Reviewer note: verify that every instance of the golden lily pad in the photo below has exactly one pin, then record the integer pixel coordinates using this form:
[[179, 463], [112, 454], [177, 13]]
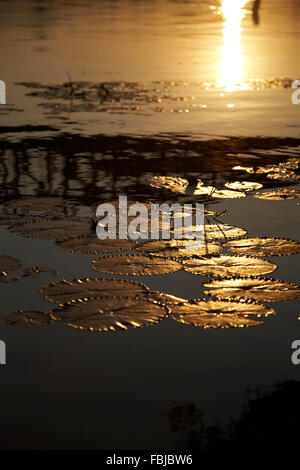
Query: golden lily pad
[[173, 184], [289, 176], [35, 271], [219, 314], [7, 264], [178, 248], [94, 315], [65, 291], [6, 278], [218, 231], [165, 299], [36, 203], [195, 188], [224, 266], [212, 231], [280, 195], [213, 192], [263, 246], [8, 219], [55, 229], [244, 185], [27, 318], [257, 288], [93, 245], [135, 265], [247, 169]]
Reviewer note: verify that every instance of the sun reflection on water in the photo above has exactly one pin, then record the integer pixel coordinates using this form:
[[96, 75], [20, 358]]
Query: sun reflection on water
[[231, 66]]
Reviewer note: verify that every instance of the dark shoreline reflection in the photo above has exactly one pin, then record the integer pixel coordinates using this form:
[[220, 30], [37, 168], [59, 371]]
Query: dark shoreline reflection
[[269, 420], [103, 167]]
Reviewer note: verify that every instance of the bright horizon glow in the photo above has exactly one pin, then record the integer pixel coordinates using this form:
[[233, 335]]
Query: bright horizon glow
[[231, 66]]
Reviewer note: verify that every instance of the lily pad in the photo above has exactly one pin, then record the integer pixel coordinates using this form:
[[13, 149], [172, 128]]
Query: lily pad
[[135, 265], [219, 314], [94, 315], [257, 288], [218, 231], [173, 184], [7, 264], [279, 195], [243, 185], [263, 246], [65, 291], [27, 318], [224, 266], [165, 299], [177, 248], [56, 229], [35, 271], [289, 176], [36, 204], [93, 245]]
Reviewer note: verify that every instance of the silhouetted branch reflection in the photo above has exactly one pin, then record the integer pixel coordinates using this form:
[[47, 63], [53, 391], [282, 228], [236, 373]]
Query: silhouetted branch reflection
[[269, 420]]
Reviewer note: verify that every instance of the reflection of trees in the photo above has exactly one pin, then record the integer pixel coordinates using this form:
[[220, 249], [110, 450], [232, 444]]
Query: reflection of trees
[[269, 420], [93, 168]]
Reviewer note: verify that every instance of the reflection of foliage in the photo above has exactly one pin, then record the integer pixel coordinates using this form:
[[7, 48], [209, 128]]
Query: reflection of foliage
[[270, 420]]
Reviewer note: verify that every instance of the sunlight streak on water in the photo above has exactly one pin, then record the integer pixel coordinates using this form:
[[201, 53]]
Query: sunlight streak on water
[[231, 66]]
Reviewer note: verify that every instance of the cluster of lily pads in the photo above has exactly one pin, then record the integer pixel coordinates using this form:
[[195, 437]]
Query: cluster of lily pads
[[235, 264]]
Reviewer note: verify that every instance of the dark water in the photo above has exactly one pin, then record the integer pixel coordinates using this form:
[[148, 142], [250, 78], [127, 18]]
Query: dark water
[[143, 99]]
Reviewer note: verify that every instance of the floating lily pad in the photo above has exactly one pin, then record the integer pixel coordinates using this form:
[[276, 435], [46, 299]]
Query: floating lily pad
[[6, 278], [173, 184], [212, 231], [289, 176], [8, 219], [35, 271], [257, 288], [36, 203], [133, 265], [219, 314], [263, 246], [56, 229], [194, 188], [165, 299], [65, 291], [224, 266], [178, 248], [27, 318], [94, 315], [244, 185], [218, 231], [93, 245], [7, 264], [278, 195], [213, 192]]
